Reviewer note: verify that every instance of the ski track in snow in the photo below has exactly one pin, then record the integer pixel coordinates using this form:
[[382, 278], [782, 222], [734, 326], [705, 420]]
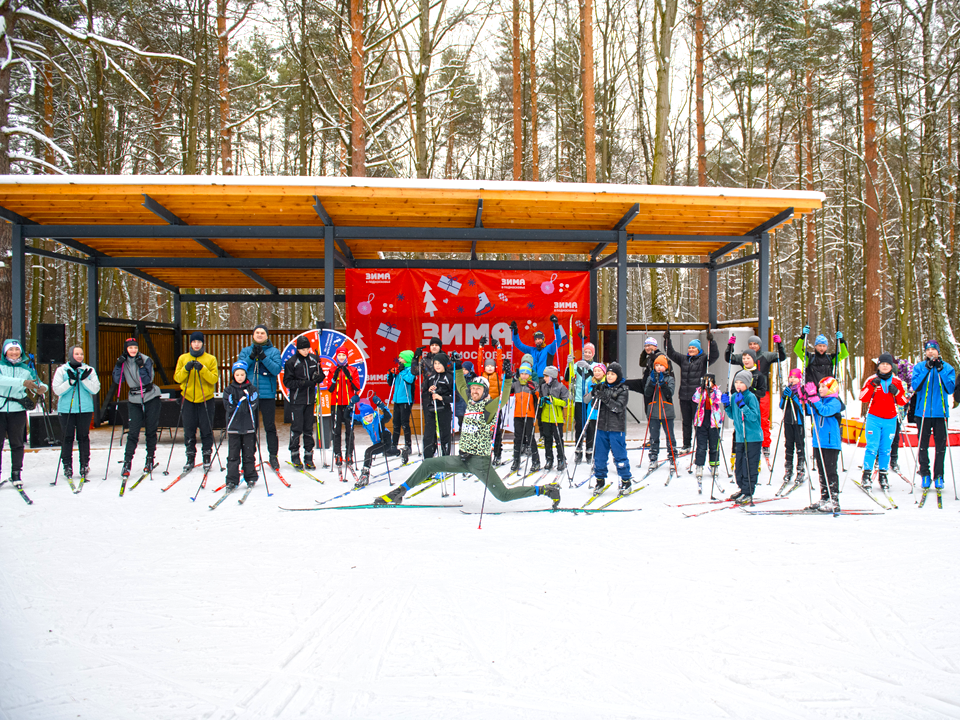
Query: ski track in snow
[[152, 606]]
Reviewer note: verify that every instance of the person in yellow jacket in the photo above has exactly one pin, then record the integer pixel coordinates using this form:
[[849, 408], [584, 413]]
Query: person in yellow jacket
[[197, 374], [553, 400]]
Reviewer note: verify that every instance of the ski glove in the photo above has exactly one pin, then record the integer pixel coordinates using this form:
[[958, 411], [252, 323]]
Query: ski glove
[[839, 335], [417, 354], [193, 365], [120, 361], [72, 376], [139, 360], [554, 319], [725, 399], [787, 391], [513, 326], [777, 339], [732, 340], [875, 382], [811, 389], [709, 336], [483, 341], [806, 330]]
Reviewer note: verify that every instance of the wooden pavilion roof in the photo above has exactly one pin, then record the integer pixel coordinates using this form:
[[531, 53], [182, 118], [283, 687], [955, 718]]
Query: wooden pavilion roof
[[661, 221]]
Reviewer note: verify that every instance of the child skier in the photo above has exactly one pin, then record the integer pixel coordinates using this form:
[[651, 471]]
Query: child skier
[[402, 380], [553, 399], [586, 436], [474, 455], [240, 401], [343, 388], [763, 361], [884, 392], [827, 408], [578, 376], [437, 412], [758, 387], [301, 374], [744, 408], [693, 366], [525, 406], [933, 382], [793, 426], [819, 364], [708, 420], [658, 396], [76, 384], [373, 415], [611, 429]]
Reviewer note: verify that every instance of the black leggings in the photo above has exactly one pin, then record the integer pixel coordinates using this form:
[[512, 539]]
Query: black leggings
[[75, 424], [13, 425]]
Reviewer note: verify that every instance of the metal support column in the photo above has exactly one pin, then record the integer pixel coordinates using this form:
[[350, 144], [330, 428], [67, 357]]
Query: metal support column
[[18, 284], [594, 337], [622, 277], [763, 299], [178, 321], [713, 296], [93, 326], [329, 310]]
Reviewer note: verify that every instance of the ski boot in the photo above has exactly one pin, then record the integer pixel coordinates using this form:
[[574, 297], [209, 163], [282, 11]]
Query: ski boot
[[394, 497], [601, 484], [589, 456], [274, 463], [552, 491], [828, 506], [685, 449], [766, 453], [231, 486], [925, 483], [938, 483], [577, 457], [744, 500], [125, 471], [338, 461], [884, 481], [561, 463], [535, 464], [363, 480], [653, 465], [295, 461], [405, 456], [866, 479], [308, 461], [189, 463], [149, 465], [68, 470], [699, 479], [15, 479], [894, 467], [207, 462], [515, 467], [625, 486], [548, 464], [736, 496], [84, 473], [787, 472]]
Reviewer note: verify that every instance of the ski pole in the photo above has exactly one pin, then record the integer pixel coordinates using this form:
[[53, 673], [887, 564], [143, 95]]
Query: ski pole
[[203, 482], [668, 431], [856, 444], [113, 430], [183, 399], [63, 435], [776, 446], [946, 428], [583, 432], [920, 437], [263, 467], [695, 441], [824, 477]]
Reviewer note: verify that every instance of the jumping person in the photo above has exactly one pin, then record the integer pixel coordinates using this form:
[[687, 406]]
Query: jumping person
[[16, 377], [265, 363], [793, 426], [402, 379], [763, 361], [302, 374], [541, 353], [884, 392], [240, 401], [708, 419], [744, 408], [612, 396], [197, 374], [143, 402], [553, 399], [343, 388], [820, 364], [933, 382], [76, 385], [373, 416], [693, 367], [658, 397], [475, 449], [827, 408]]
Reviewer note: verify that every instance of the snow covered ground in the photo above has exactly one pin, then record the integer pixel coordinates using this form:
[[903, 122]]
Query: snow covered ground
[[151, 606]]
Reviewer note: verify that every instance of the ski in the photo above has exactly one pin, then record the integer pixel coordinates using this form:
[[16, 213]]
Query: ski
[[793, 487], [651, 469], [524, 478], [246, 494], [575, 511], [730, 504], [140, 479], [304, 471], [891, 501], [811, 511], [923, 497], [344, 494], [19, 489], [783, 487], [123, 485], [620, 496], [180, 477], [223, 497], [939, 498], [870, 495], [595, 496], [370, 506]]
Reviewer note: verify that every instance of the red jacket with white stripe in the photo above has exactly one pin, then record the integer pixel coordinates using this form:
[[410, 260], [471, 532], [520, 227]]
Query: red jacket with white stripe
[[884, 402]]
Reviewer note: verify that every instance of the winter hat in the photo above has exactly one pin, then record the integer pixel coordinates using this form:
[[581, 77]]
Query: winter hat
[[238, 365], [831, 385], [524, 368], [441, 357], [406, 357], [885, 358], [751, 353], [490, 363], [435, 341], [697, 345], [931, 343], [467, 366], [615, 368], [303, 342], [129, 342], [754, 339], [551, 371], [527, 359], [480, 380], [744, 376], [661, 361], [196, 335], [797, 373], [70, 359], [537, 334], [7, 344], [821, 340], [263, 327], [591, 347], [650, 341]]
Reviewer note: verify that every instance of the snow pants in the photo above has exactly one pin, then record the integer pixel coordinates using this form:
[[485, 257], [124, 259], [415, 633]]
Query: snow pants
[[895, 445], [342, 424], [708, 439], [432, 421], [552, 435], [765, 419], [688, 411], [146, 416], [478, 466], [747, 469], [938, 426], [523, 439], [793, 441], [302, 424], [827, 468], [880, 432], [242, 447], [13, 425], [198, 415], [580, 411], [616, 443], [655, 438], [401, 421], [75, 424]]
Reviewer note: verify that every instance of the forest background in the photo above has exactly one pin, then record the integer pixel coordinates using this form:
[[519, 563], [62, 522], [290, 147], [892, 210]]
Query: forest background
[[858, 101]]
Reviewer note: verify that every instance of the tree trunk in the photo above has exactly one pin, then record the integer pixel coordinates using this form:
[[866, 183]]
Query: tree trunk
[[589, 105], [701, 147], [517, 97], [811, 318], [223, 86], [191, 162], [534, 146], [873, 290], [665, 12], [358, 140], [420, 78]]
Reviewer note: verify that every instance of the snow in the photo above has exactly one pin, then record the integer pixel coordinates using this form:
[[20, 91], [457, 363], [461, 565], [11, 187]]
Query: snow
[[152, 606], [413, 183]]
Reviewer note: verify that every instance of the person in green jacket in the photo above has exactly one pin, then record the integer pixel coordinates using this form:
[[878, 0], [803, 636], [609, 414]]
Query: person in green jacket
[[820, 364], [474, 457], [16, 378], [197, 374], [744, 408]]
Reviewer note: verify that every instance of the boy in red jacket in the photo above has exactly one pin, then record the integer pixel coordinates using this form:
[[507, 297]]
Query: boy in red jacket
[[884, 391]]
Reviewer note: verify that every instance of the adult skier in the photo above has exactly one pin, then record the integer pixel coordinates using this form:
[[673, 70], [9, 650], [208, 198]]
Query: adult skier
[[143, 402], [819, 363], [76, 386], [197, 373], [16, 377], [265, 363], [933, 382], [541, 353], [693, 367], [884, 392]]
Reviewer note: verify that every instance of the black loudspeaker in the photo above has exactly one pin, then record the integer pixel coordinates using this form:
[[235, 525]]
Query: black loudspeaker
[[51, 343]]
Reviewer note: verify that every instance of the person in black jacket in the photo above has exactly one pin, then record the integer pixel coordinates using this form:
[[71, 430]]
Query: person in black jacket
[[658, 397], [437, 387], [301, 374], [764, 361], [693, 368], [611, 429], [240, 401], [649, 354]]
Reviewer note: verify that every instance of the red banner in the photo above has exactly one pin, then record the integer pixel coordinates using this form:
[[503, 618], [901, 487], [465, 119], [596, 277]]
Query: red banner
[[393, 310]]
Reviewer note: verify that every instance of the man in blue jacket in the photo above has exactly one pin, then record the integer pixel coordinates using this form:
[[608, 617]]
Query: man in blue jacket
[[541, 353], [933, 382], [264, 362]]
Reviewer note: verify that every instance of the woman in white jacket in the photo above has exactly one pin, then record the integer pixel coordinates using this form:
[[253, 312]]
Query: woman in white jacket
[[75, 384]]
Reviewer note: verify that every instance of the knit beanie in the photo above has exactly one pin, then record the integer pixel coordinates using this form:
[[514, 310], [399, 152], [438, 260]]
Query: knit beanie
[[615, 368], [744, 376], [751, 353], [435, 341], [524, 368], [238, 365], [754, 339], [831, 385], [406, 357], [442, 358], [130, 342], [490, 363], [599, 365], [821, 340], [551, 371], [263, 327], [196, 335], [303, 342], [885, 358], [591, 347], [650, 341], [467, 366], [931, 343], [797, 373], [697, 345], [661, 361]]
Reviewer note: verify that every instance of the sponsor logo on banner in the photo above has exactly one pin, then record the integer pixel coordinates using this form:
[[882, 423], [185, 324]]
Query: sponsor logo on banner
[[378, 278], [565, 306], [512, 282]]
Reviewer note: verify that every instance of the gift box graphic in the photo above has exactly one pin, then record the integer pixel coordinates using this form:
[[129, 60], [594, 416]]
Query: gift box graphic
[[389, 332], [450, 284]]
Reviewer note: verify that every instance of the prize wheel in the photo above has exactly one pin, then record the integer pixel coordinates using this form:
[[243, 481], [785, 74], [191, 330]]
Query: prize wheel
[[326, 344]]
